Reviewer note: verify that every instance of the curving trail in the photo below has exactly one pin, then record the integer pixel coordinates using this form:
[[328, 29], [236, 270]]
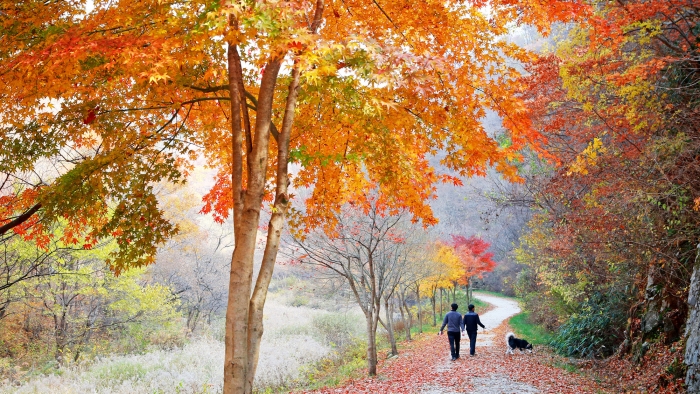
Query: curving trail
[[487, 341], [504, 309], [424, 365]]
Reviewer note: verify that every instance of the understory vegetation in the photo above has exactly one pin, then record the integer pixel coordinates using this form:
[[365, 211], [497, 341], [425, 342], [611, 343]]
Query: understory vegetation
[[523, 327], [311, 340], [608, 255]]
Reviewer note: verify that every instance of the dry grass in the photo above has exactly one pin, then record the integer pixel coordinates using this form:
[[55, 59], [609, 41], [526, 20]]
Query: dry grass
[[291, 341]]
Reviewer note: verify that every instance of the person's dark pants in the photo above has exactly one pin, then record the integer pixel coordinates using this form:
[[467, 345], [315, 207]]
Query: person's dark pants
[[472, 341], [454, 338]]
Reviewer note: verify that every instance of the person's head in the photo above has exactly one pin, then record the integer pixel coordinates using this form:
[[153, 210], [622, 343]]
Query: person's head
[[454, 307], [471, 308]]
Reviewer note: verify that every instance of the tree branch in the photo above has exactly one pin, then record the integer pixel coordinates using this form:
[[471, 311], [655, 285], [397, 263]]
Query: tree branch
[[19, 219], [209, 89]]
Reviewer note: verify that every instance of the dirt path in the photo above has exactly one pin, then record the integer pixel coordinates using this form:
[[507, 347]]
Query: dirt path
[[503, 309], [495, 382], [424, 367], [487, 341]]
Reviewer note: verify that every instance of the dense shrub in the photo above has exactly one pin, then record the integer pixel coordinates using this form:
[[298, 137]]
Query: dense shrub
[[595, 330], [546, 306]]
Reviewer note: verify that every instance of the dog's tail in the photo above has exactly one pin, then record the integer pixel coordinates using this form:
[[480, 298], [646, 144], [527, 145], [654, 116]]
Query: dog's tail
[[509, 335]]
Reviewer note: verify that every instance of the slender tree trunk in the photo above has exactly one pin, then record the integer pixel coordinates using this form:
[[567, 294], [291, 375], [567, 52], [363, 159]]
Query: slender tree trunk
[[441, 302], [241, 272], [403, 316], [274, 230], [371, 313], [390, 327], [420, 311], [410, 319], [432, 302], [371, 345], [60, 337], [466, 293], [471, 291]]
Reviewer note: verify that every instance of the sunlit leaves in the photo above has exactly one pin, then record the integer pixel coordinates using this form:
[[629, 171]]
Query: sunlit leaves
[[121, 96]]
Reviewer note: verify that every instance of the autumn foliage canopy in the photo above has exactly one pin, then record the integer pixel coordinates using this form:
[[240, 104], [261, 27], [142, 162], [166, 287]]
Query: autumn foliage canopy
[[102, 103], [474, 256]]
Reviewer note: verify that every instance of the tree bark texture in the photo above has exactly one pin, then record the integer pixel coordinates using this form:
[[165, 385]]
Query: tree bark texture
[[692, 331], [372, 345], [390, 326], [403, 315], [409, 321], [244, 312], [420, 311], [471, 291], [238, 376]]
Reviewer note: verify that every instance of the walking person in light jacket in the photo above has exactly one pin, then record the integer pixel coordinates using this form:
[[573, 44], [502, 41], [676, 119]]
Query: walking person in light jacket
[[455, 326], [471, 320]]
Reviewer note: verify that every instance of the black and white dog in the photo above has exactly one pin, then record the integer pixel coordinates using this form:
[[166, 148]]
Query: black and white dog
[[514, 343]]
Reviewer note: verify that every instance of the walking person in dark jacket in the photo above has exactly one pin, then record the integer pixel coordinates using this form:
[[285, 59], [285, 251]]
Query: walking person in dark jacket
[[471, 320], [455, 326]]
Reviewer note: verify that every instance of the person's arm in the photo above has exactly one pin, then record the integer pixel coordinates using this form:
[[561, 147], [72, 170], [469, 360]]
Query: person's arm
[[444, 323], [478, 321]]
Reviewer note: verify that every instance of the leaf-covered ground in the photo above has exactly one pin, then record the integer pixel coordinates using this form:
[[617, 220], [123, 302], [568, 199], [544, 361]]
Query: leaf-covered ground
[[425, 367], [660, 371]]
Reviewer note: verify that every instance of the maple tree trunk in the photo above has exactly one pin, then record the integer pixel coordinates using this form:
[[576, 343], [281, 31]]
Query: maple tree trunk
[[410, 318], [441, 290], [432, 301], [60, 337], [274, 230], [420, 311], [467, 291], [244, 312], [471, 291], [371, 343], [390, 327], [241, 331], [241, 272], [240, 283], [692, 331], [400, 302], [257, 301]]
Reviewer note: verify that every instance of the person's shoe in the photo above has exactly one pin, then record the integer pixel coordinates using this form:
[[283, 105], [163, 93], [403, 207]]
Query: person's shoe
[[453, 358], [457, 358]]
